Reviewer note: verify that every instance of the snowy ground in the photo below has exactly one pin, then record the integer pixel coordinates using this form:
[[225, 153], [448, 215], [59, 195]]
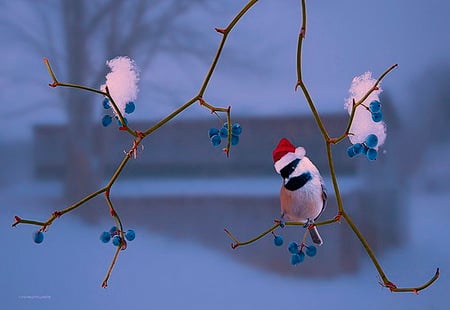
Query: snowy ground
[[65, 272]]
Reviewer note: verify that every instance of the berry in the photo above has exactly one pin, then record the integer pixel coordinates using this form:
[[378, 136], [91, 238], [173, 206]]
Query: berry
[[372, 154], [106, 105], [278, 240], [375, 106], [130, 235], [116, 240], [223, 132], [215, 140], [213, 132], [365, 149], [351, 152], [371, 141], [114, 230], [106, 120], [358, 147], [311, 251], [297, 258], [130, 107], [234, 140], [293, 247], [38, 237], [377, 117], [236, 129], [105, 237]]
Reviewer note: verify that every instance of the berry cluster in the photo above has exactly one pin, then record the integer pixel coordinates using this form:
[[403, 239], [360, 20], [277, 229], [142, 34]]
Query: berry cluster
[[370, 145], [107, 119], [216, 135], [375, 109], [368, 148], [114, 234], [298, 251], [298, 255]]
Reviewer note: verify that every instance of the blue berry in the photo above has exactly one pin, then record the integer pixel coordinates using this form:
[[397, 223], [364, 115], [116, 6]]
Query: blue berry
[[114, 230], [297, 258], [358, 147], [105, 237], [106, 104], [236, 129], [215, 140], [311, 251], [278, 240], [375, 106], [377, 117], [365, 149], [371, 141], [293, 247], [130, 235], [38, 237], [234, 140], [372, 154], [130, 107], [355, 150], [213, 132], [116, 240], [106, 120], [224, 132], [351, 152]]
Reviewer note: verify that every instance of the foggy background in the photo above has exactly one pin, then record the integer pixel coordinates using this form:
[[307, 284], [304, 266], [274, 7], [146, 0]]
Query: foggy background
[[181, 257]]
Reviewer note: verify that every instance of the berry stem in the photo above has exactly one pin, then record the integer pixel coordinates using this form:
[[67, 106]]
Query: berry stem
[[227, 110]]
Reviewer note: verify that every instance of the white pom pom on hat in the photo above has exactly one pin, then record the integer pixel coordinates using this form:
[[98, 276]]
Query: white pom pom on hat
[[285, 152]]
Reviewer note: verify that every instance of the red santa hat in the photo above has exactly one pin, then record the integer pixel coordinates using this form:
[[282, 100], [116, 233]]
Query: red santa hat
[[285, 152]]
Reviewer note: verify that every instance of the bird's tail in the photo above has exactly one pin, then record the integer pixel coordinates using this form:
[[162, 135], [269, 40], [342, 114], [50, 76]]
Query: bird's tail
[[315, 236]]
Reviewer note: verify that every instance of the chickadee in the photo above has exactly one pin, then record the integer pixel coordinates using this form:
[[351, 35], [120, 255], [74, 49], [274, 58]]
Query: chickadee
[[303, 195]]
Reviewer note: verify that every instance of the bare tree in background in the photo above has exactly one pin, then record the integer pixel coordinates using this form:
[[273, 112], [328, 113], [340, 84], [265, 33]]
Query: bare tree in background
[[79, 36]]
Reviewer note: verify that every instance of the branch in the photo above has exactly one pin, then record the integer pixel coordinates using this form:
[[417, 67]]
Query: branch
[[138, 138], [341, 212]]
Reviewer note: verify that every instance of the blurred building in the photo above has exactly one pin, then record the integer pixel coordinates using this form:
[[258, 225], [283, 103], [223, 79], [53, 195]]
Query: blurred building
[[182, 186]]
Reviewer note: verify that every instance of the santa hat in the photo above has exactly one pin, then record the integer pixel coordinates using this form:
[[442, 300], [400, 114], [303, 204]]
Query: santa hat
[[286, 152]]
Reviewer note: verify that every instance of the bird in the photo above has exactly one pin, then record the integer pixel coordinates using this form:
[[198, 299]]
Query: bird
[[303, 194]]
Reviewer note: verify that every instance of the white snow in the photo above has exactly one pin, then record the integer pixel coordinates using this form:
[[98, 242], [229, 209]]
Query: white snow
[[122, 81], [362, 124]]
